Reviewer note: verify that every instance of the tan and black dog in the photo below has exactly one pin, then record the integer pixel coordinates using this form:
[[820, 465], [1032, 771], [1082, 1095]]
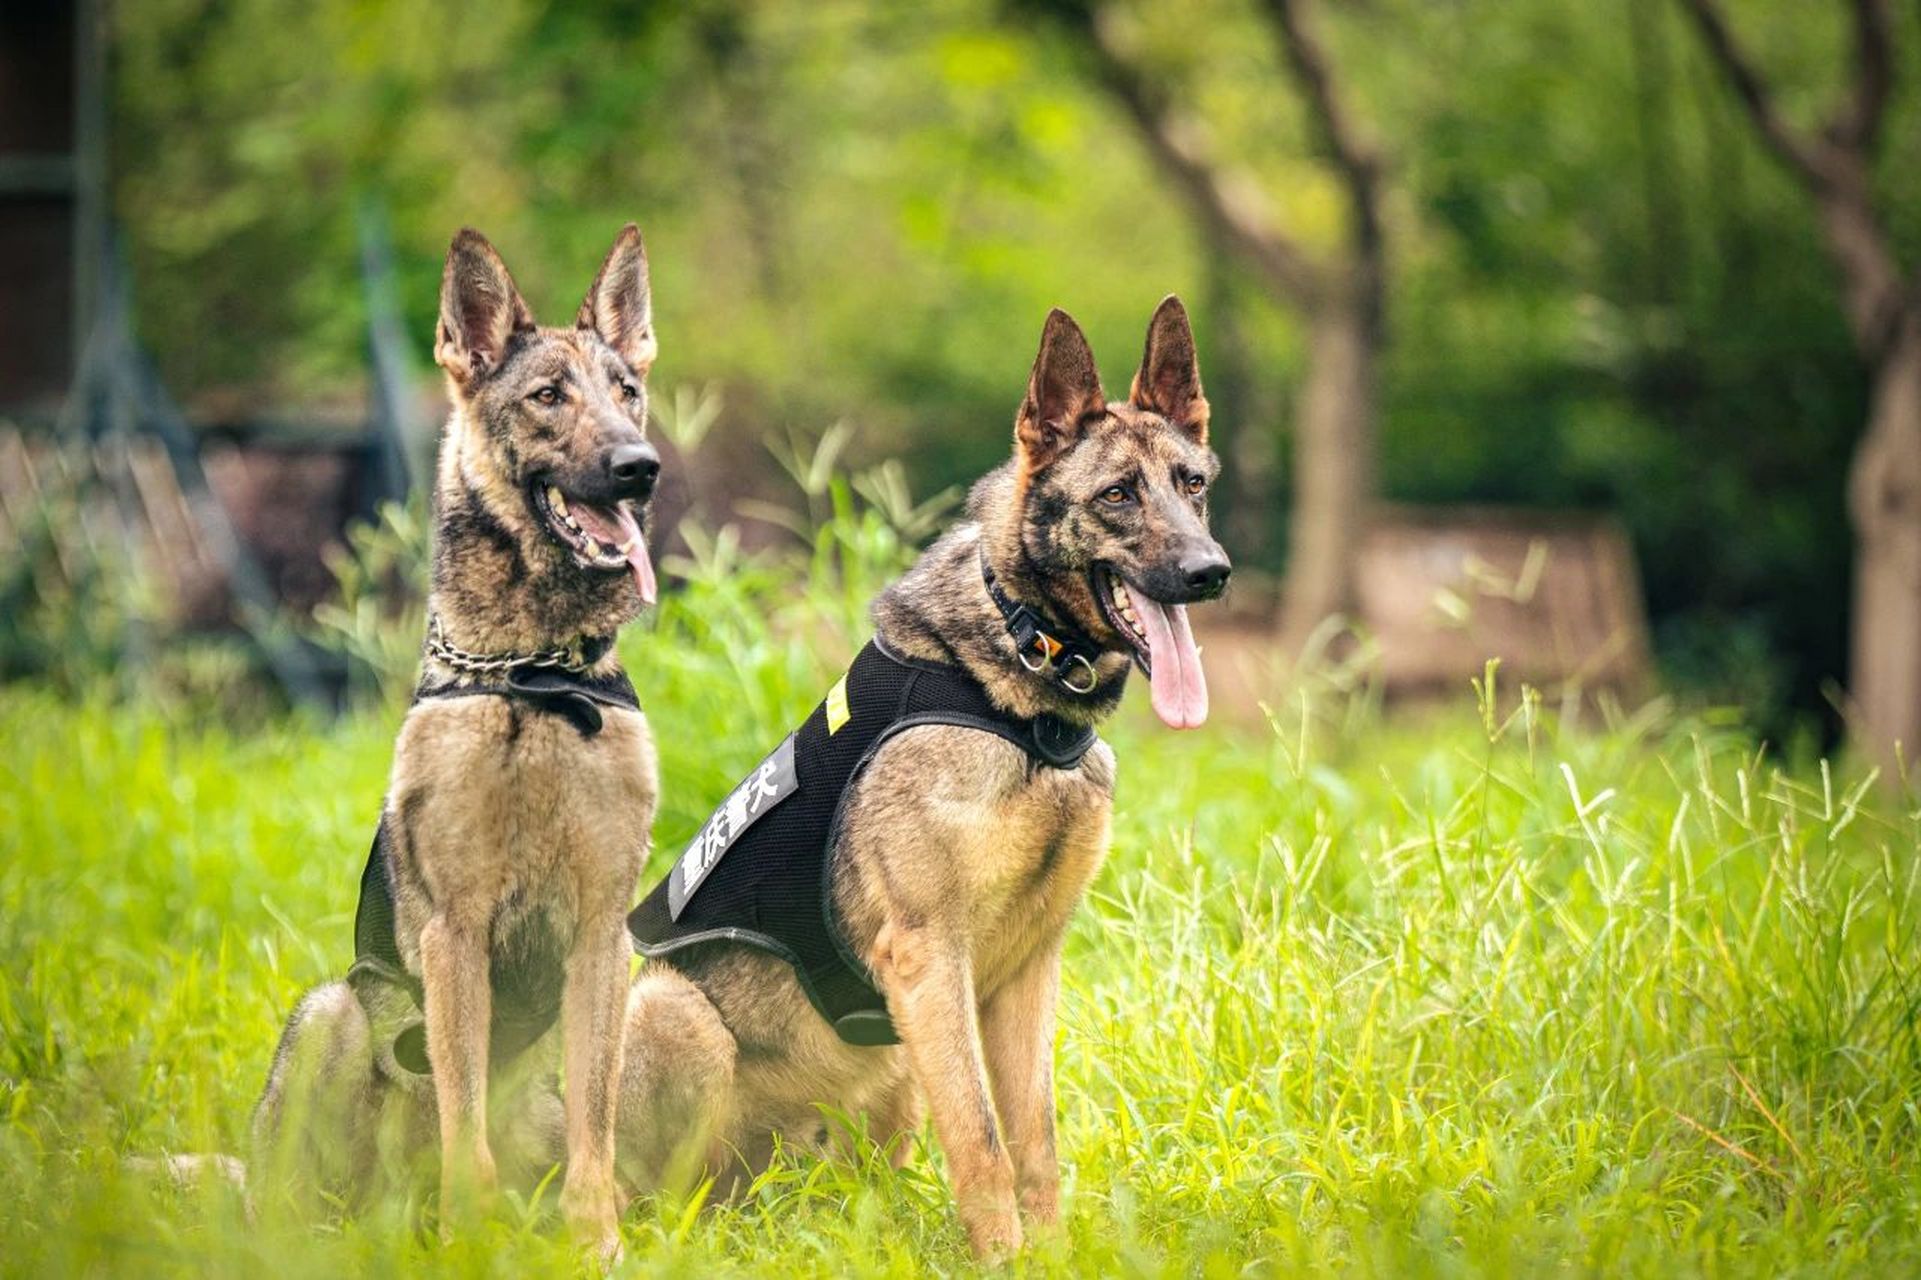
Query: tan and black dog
[[952, 838], [523, 786]]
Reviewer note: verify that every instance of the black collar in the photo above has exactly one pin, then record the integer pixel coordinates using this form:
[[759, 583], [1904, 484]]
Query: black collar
[[575, 697], [1060, 653]]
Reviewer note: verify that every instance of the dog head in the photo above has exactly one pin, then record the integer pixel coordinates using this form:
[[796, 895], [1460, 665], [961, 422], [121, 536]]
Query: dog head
[[547, 449], [1113, 500]]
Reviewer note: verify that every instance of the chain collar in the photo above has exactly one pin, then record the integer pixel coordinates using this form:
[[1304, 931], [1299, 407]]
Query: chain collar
[[1064, 656], [575, 658]]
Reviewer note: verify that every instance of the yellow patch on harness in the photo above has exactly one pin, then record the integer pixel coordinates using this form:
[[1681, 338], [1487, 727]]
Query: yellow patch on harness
[[837, 712]]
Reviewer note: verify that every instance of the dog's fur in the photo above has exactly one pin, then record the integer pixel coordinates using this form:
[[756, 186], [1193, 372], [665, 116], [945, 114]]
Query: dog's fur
[[513, 837], [959, 862]]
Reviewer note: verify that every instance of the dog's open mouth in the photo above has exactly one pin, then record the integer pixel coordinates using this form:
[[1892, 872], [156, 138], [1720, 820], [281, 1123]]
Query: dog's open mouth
[[1163, 646], [605, 539]]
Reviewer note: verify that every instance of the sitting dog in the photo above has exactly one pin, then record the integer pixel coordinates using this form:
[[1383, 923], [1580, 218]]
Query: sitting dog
[[523, 787], [874, 917]]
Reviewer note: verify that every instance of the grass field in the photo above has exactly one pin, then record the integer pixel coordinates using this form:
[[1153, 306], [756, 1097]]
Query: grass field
[[1469, 995]]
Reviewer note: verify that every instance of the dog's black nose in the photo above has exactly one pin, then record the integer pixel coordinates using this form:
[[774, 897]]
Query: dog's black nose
[[633, 469], [1206, 575]]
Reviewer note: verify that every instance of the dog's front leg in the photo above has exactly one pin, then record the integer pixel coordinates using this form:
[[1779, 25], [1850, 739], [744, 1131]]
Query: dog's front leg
[[594, 1012], [459, 1000], [929, 985], [1017, 1028]]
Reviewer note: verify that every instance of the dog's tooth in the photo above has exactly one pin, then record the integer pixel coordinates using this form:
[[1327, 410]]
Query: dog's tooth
[[626, 548], [558, 499]]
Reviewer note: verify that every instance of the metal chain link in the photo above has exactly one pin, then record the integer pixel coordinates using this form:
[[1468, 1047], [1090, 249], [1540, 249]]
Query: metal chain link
[[442, 650]]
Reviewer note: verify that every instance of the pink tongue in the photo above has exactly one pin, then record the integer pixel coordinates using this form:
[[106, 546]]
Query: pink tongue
[[1179, 685], [617, 528]]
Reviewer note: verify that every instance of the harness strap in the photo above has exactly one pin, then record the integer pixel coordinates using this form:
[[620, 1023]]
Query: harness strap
[[376, 954]]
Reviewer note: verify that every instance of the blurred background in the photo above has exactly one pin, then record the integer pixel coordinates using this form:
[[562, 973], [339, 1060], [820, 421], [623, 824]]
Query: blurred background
[[1543, 331]]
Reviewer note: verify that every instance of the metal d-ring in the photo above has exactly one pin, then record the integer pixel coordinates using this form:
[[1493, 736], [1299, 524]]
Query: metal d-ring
[[1036, 667], [1093, 676]]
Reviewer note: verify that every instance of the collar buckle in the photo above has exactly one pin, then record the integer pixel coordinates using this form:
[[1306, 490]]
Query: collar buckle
[[1065, 661], [1033, 646]]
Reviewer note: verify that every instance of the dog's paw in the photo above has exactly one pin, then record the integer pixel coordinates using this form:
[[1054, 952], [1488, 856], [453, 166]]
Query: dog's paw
[[609, 1252], [994, 1234], [592, 1214], [1041, 1206], [468, 1192], [599, 1239]]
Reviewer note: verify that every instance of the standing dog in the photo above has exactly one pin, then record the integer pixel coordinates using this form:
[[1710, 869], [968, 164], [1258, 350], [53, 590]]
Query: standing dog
[[874, 918], [523, 786]]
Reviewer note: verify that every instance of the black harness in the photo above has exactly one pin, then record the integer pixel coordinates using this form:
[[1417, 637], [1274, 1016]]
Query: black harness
[[758, 872], [526, 982]]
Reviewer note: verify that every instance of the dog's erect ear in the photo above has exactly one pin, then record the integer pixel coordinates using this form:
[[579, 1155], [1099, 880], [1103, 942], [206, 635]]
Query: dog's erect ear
[[1063, 392], [1169, 382], [480, 310], [618, 305]]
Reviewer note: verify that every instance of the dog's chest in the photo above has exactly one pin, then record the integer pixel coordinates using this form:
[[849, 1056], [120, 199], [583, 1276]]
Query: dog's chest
[[1039, 849], [511, 815]]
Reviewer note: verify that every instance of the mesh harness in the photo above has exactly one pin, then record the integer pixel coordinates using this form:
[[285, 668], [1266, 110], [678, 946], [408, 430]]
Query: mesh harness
[[758, 874], [526, 983]]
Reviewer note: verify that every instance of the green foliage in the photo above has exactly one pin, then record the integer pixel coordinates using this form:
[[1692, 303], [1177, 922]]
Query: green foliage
[[82, 616], [1604, 294], [375, 622], [68, 614], [1482, 995]]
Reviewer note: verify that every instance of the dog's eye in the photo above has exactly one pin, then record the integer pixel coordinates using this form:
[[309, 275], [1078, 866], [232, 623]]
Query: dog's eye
[[629, 390], [549, 394], [1115, 494], [1196, 485]]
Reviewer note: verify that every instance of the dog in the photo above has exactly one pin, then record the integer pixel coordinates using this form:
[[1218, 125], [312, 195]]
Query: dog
[[523, 787], [873, 920]]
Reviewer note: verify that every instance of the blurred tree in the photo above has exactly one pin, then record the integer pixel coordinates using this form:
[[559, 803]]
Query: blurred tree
[[1340, 294], [1834, 165]]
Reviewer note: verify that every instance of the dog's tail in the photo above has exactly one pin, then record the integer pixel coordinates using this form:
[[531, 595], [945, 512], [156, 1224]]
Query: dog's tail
[[191, 1172]]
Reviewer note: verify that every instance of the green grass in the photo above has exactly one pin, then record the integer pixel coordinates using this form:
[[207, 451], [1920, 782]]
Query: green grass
[[1445, 996]]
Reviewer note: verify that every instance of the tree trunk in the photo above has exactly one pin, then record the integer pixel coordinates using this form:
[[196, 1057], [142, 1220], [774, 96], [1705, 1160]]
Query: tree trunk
[[1884, 498], [1334, 468], [1834, 165]]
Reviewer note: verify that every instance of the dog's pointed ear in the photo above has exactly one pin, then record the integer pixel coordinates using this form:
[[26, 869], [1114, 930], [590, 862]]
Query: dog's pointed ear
[[619, 306], [1169, 381], [1063, 393], [480, 310]]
